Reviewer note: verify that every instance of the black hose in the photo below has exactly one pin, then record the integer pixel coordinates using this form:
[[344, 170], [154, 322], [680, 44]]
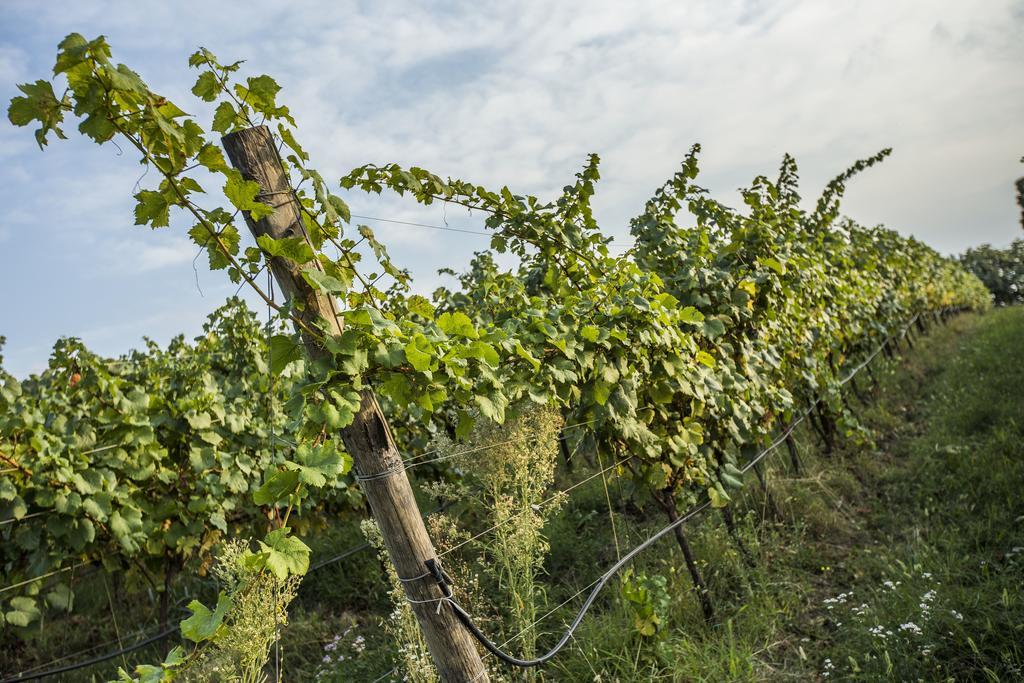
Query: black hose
[[95, 660], [434, 567]]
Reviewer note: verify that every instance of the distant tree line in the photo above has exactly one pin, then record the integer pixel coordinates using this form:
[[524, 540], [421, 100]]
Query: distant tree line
[[1002, 270]]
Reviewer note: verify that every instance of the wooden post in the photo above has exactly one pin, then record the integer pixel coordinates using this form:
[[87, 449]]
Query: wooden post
[[871, 374], [794, 457], [769, 500], [730, 527], [691, 562], [856, 391], [368, 438]]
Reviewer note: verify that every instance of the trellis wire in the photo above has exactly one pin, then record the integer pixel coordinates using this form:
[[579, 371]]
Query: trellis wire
[[95, 660], [448, 228], [40, 578], [70, 655], [415, 461], [542, 503]]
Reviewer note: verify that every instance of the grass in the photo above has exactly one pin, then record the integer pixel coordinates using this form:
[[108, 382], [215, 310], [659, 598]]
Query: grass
[[900, 557]]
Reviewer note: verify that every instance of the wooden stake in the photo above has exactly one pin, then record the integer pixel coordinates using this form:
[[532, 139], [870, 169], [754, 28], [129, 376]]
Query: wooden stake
[[368, 438], [871, 374], [794, 457], [768, 498], [857, 392], [669, 505], [730, 526]]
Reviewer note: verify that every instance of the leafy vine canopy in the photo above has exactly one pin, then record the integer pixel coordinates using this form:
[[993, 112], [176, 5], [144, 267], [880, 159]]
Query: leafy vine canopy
[[680, 355]]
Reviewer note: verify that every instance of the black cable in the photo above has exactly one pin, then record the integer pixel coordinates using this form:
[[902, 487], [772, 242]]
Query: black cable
[[341, 556], [168, 632], [494, 649], [443, 581], [94, 660], [361, 547]]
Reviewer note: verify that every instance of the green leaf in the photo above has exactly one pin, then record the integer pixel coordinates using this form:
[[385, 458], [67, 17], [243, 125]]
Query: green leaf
[[719, 498], [730, 480], [277, 488], [774, 264], [317, 466], [527, 356], [61, 597], [262, 92], [420, 306], [485, 352], [691, 315], [72, 52], [491, 407], [224, 117], [124, 79], [24, 613], [284, 554], [284, 349], [98, 127], [419, 352], [458, 324], [323, 282], [207, 87], [242, 195], [289, 139], [590, 333], [121, 529], [96, 509], [39, 104], [294, 248], [212, 158], [706, 358], [661, 392], [204, 624], [713, 327], [153, 208], [199, 421], [465, 425]]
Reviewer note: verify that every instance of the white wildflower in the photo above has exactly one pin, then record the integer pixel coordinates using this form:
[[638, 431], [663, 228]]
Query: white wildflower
[[911, 627]]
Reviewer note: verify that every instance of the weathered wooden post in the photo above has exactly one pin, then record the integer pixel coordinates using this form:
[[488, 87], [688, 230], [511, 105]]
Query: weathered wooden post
[[734, 534], [691, 562], [368, 438], [769, 500], [794, 456]]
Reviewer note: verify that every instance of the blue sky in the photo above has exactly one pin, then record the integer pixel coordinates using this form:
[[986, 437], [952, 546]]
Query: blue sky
[[513, 93]]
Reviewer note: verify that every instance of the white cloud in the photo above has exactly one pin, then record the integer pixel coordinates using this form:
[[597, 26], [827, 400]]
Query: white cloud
[[519, 93], [137, 257]]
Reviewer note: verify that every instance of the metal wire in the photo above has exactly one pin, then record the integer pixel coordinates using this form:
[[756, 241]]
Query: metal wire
[[40, 578], [95, 660], [447, 228], [542, 503]]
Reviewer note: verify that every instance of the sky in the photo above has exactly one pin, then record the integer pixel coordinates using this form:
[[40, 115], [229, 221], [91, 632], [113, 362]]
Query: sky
[[518, 94]]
